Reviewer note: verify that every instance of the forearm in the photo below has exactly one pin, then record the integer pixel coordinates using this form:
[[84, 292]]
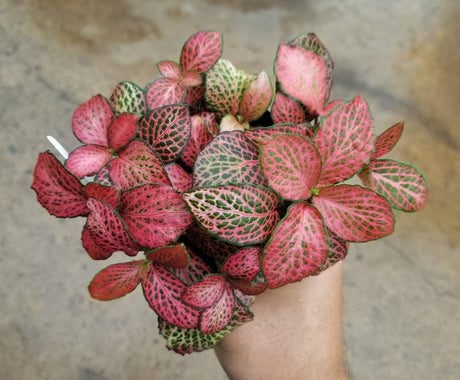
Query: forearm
[[296, 333]]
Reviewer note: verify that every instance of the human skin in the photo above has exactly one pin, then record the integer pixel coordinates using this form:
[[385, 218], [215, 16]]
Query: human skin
[[296, 333]]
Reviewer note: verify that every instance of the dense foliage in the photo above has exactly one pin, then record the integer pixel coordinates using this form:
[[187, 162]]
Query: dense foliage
[[226, 185]]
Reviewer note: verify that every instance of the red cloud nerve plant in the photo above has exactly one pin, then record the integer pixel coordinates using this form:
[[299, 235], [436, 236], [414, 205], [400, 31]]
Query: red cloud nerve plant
[[227, 186]]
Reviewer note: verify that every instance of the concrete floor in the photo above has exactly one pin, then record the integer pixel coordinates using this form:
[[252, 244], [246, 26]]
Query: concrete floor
[[402, 294]]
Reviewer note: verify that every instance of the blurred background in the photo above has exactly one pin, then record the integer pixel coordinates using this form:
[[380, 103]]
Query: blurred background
[[402, 293]]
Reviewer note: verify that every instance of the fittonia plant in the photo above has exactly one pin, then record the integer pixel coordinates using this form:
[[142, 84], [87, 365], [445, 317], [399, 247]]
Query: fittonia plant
[[223, 187]]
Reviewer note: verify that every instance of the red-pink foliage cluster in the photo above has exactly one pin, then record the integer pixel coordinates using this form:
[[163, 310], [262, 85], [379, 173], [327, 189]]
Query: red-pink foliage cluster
[[226, 186]]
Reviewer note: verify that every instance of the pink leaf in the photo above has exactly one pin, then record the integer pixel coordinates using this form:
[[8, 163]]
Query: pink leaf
[[311, 41], [206, 292], [387, 140], [302, 75], [191, 78], [201, 51], [162, 290], [200, 137], [179, 178], [128, 97], [87, 160], [163, 92], [256, 98], [291, 164], [238, 214], [345, 141], [172, 256], [297, 248], [255, 135], [154, 214], [244, 264], [107, 194], [122, 130], [355, 213], [402, 184], [137, 164], [167, 129], [95, 251], [107, 229], [91, 120], [116, 280], [229, 157], [219, 315], [170, 69], [57, 189], [287, 110]]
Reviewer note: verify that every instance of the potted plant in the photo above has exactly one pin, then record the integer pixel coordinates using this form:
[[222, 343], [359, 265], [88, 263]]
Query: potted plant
[[221, 185]]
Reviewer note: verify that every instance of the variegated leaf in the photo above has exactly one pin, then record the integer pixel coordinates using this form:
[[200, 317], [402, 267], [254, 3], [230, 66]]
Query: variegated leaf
[[171, 256], [401, 184], [256, 98], [107, 194], [244, 264], [206, 292], [87, 160], [137, 164], [345, 140], [311, 41], [154, 214], [303, 75], [170, 69], [238, 214], [91, 120], [128, 97], [224, 88], [116, 280], [185, 341], [58, 190], [191, 78], [95, 251], [200, 136], [255, 135], [107, 229], [180, 179], [297, 248], [287, 110], [162, 290], [229, 157], [122, 130], [167, 129], [387, 140], [291, 164], [355, 213], [201, 51], [216, 317], [163, 92]]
